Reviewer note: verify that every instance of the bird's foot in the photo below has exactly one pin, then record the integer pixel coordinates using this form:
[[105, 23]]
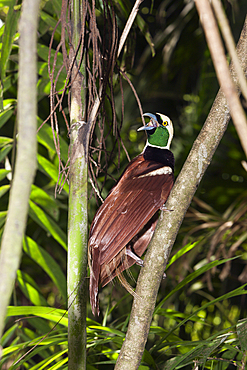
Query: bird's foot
[[131, 254]]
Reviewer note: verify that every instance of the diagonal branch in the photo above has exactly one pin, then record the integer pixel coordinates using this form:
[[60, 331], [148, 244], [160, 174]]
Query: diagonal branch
[[128, 25], [169, 223]]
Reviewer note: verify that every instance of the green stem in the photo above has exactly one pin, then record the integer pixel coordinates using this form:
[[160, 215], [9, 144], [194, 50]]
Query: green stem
[[77, 218], [77, 253]]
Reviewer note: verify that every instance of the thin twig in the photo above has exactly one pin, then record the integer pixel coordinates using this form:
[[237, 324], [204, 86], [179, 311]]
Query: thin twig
[[128, 25]]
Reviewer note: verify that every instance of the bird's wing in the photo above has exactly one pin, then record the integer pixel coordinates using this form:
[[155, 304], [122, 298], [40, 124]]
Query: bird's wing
[[123, 261], [140, 192]]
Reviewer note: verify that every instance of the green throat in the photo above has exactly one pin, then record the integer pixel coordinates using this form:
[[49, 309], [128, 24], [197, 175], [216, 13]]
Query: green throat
[[158, 137]]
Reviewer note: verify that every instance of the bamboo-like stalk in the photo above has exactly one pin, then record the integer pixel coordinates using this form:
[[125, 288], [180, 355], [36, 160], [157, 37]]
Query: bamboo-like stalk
[[165, 234], [25, 166], [77, 217]]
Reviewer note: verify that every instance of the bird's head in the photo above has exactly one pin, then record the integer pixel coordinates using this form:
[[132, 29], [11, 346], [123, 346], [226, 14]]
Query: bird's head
[[159, 130]]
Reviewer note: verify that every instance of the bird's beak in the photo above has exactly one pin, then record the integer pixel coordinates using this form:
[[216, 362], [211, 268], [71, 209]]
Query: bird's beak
[[153, 123]]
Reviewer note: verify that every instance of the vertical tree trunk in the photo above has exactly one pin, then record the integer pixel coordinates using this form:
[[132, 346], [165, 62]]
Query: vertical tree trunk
[[77, 222], [25, 166]]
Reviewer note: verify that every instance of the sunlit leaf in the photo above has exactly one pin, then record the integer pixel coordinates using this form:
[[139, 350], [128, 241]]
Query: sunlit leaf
[[59, 364], [47, 263], [48, 203], [4, 152], [30, 289], [181, 252], [3, 174], [107, 329], [3, 215], [5, 141], [47, 361], [52, 314], [47, 223], [4, 189], [38, 350]]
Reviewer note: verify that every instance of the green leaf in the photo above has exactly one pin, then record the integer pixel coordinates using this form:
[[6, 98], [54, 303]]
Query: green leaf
[[43, 347], [50, 170], [49, 204], [11, 24], [45, 137], [181, 252], [5, 116], [8, 334], [148, 359], [59, 364], [44, 84], [47, 263], [106, 329], [191, 277], [3, 215], [4, 189], [143, 26], [8, 83], [4, 141], [30, 289], [53, 314], [9, 103], [43, 52], [4, 152], [239, 291], [50, 21], [242, 333], [57, 6], [47, 361], [47, 223], [3, 174], [7, 3], [200, 352]]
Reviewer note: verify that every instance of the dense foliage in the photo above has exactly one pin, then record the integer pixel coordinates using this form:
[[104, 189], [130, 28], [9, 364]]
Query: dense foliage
[[201, 308]]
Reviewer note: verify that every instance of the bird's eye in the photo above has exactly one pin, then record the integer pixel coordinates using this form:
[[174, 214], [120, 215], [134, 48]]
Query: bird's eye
[[165, 123]]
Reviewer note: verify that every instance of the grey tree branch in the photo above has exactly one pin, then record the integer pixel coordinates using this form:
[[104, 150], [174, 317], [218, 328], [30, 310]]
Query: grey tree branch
[[25, 167], [128, 25], [220, 64], [165, 234], [230, 44]]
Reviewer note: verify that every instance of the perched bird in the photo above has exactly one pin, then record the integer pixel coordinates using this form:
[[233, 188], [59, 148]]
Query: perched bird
[[124, 224]]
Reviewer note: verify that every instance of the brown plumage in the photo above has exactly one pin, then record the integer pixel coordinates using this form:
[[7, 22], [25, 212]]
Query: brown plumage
[[124, 224]]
